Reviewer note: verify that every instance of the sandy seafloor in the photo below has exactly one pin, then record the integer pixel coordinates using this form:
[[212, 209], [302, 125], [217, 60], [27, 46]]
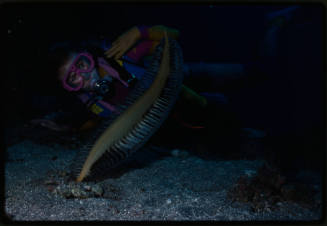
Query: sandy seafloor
[[171, 188]]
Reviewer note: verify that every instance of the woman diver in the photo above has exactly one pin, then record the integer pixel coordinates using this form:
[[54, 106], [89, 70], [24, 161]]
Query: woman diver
[[102, 84]]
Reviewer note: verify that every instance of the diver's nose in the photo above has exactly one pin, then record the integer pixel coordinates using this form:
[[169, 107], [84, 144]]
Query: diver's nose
[[86, 76]]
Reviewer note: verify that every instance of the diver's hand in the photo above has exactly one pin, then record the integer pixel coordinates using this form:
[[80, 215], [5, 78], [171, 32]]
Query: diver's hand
[[49, 124], [123, 43]]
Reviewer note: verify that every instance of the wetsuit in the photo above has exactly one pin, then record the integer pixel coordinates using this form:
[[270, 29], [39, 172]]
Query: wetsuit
[[140, 54]]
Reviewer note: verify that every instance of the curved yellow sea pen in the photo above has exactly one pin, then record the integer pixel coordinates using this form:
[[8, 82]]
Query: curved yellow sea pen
[[125, 122]]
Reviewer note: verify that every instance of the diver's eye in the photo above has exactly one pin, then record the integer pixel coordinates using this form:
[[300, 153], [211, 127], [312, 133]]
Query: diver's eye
[[72, 77], [80, 64]]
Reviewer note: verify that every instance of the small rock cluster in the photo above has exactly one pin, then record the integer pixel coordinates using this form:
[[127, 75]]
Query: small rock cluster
[[268, 189], [79, 191], [59, 182]]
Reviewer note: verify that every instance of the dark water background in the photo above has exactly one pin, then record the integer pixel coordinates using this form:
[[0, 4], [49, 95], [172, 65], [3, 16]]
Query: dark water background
[[289, 104]]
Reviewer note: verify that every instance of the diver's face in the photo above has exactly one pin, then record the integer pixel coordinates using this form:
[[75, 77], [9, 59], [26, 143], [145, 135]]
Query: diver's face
[[75, 79]]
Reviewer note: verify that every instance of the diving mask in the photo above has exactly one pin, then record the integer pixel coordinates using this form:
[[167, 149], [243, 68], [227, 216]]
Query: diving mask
[[83, 74], [79, 71]]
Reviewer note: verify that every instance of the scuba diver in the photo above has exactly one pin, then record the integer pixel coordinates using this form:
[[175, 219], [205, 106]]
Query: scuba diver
[[102, 75]]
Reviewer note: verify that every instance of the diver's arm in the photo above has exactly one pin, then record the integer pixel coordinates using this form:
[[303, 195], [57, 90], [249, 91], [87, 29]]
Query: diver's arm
[[151, 36], [156, 33], [123, 43]]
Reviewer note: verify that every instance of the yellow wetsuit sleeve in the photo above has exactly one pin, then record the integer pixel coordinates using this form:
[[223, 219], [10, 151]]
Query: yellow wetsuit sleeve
[[156, 33]]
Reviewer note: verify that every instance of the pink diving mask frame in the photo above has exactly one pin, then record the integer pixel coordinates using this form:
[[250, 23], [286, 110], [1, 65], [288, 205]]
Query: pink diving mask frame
[[78, 71]]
